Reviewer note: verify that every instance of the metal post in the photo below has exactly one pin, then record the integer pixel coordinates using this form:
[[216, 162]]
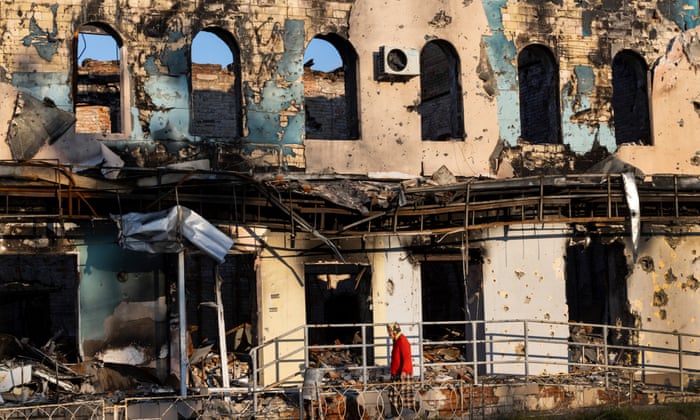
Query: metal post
[[609, 197], [680, 361], [605, 353], [675, 195], [254, 379], [475, 357], [365, 375], [306, 345], [420, 350], [183, 321], [527, 346], [277, 361], [223, 353], [540, 210]]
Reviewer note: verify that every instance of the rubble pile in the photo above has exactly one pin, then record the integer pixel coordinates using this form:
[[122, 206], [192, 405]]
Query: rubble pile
[[588, 348], [29, 374], [442, 362], [446, 362], [205, 363], [338, 356], [206, 372]]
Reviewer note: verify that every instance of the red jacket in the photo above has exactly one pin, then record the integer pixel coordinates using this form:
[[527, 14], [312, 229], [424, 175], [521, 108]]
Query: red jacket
[[401, 357]]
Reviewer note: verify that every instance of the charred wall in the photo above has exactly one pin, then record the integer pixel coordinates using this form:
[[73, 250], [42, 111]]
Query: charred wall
[[157, 83], [39, 300], [97, 97], [239, 295], [165, 108]]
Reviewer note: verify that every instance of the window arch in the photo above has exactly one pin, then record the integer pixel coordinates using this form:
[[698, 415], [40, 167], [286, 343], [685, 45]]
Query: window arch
[[100, 85], [441, 105], [330, 93], [538, 82], [216, 105], [630, 99]]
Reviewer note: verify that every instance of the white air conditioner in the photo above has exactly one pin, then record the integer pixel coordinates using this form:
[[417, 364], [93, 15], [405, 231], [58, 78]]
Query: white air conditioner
[[398, 61]]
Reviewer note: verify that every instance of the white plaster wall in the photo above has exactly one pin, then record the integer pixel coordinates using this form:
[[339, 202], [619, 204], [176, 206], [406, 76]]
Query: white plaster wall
[[282, 298], [524, 279], [674, 280], [390, 131], [281, 303], [675, 119]]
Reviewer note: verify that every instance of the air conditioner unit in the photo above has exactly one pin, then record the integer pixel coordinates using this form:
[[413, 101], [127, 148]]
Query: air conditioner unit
[[398, 61]]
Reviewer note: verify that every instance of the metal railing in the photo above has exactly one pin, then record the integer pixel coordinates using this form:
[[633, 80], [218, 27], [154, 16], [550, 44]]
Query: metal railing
[[502, 365], [521, 347], [85, 410]]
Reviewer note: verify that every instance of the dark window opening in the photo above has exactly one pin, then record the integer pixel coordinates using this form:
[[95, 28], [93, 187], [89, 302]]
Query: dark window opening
[[339, 294], [538, 81], [98, 92], [39, 301], [330, 89], [441, 105], [216, 85], [630, 99], [596, 293], [447, 295]]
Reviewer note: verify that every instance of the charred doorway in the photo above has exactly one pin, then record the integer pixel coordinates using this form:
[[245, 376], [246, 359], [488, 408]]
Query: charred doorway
[[238, 291], [339, 294], [596, 290], [449, 295], [38, 300]]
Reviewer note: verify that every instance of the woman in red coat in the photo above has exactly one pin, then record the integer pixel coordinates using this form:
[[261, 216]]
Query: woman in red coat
[[401, 369]]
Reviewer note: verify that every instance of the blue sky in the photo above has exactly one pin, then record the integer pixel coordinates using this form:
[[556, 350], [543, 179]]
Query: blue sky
[[207, 48]]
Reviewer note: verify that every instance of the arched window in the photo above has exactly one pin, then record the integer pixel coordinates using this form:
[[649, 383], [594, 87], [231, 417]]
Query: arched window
[[101, 83], [330, 89], [216, 85], [441, 105], [630, 99], [538, 81]]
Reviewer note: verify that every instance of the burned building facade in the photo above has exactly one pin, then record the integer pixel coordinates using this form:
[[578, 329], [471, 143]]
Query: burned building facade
[[470, 160]]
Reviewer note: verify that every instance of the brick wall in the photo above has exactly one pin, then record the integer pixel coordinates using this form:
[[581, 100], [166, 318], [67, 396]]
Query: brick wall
[[92, 119], [98, 97], [216, 106], [325, 105]]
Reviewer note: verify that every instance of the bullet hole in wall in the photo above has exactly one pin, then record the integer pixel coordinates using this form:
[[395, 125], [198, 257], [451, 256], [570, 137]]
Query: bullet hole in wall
[[647, 263], [660, 298]]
